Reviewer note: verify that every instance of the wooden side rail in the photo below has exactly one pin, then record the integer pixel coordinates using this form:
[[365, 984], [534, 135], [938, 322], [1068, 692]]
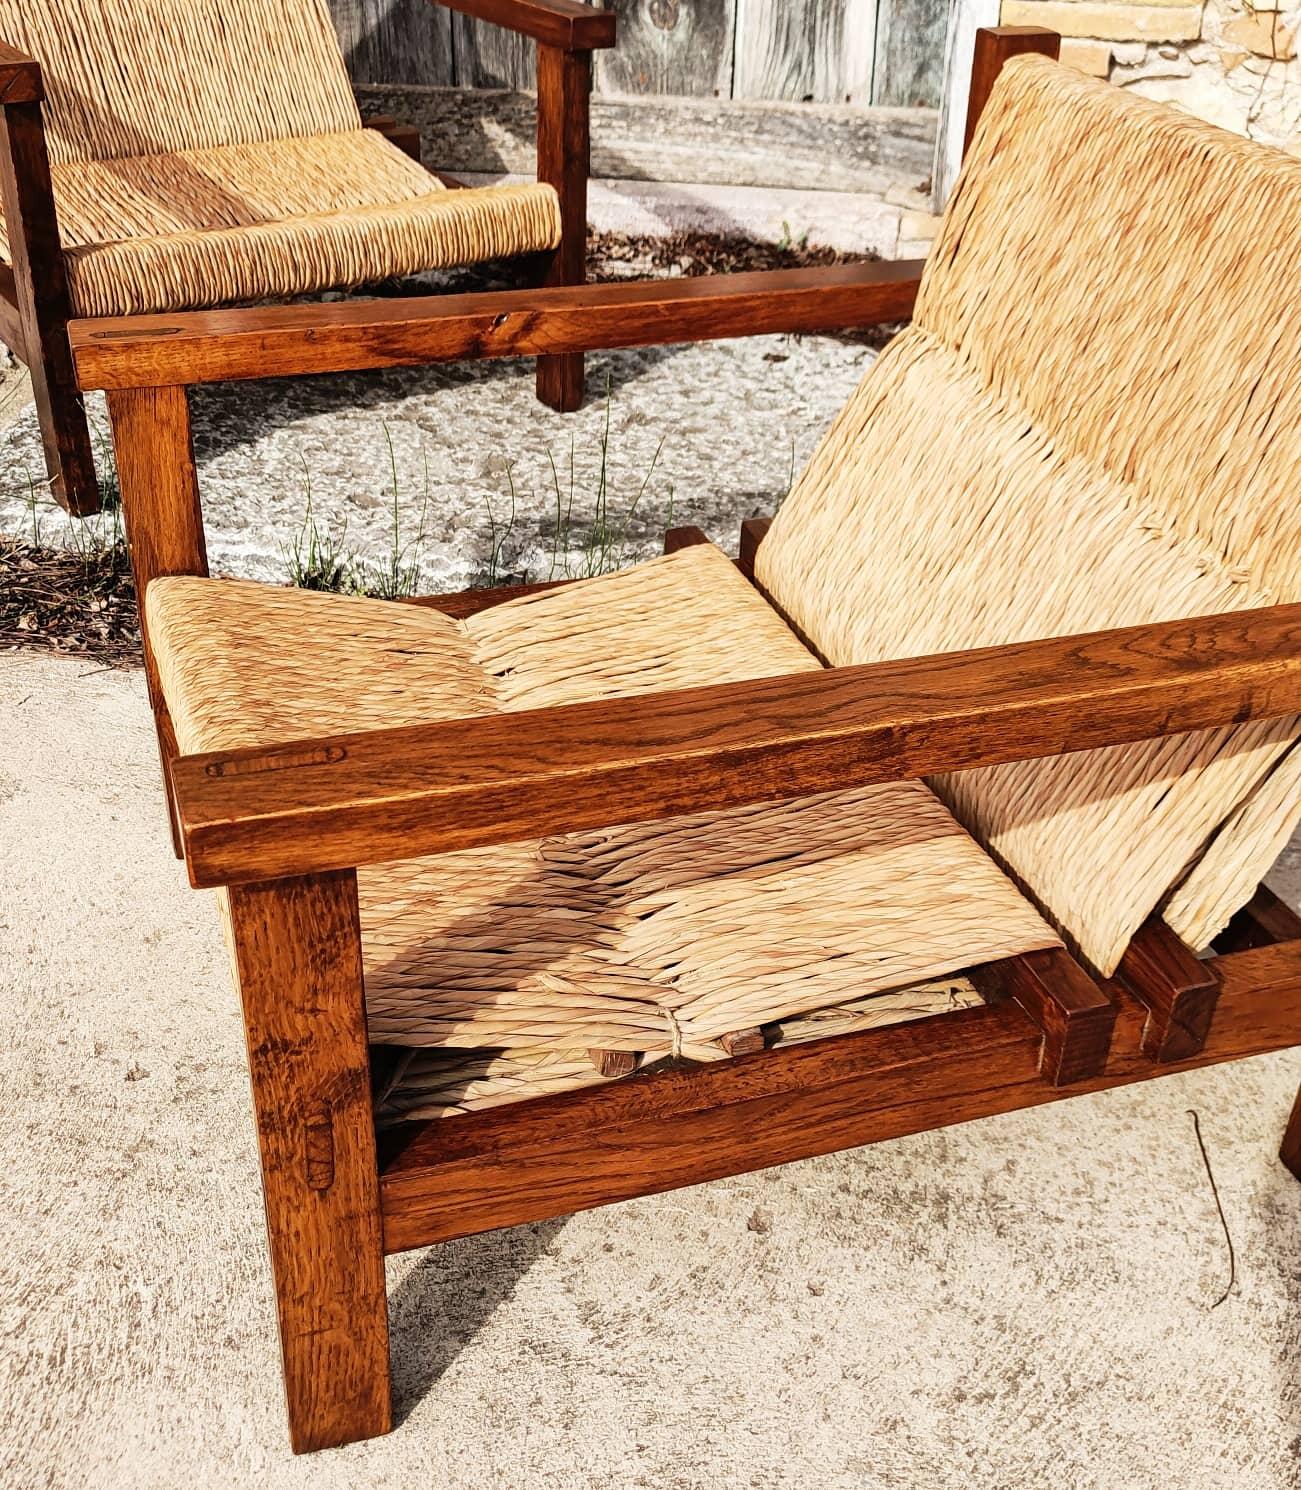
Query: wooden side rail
[[366, 798], [294, 340], [456, 1176], [565, 24]]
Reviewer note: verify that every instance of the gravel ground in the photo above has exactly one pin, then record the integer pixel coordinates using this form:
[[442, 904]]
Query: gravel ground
[[728, 419]]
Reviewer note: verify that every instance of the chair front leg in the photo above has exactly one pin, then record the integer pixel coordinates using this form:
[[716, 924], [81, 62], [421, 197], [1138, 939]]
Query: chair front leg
[[44, 307], [1290, 1153], [564, 154], [297, 953]]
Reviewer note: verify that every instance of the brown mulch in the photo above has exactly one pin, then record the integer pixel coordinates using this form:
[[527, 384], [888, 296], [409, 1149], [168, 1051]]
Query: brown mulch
[[66, 603], [83, 605]]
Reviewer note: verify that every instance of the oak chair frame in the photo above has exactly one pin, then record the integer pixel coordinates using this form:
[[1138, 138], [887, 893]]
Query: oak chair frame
[[285, 829]]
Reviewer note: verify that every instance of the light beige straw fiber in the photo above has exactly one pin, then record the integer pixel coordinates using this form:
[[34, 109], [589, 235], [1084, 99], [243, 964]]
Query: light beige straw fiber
[[207, 152], [658, 938], [1094, 421]]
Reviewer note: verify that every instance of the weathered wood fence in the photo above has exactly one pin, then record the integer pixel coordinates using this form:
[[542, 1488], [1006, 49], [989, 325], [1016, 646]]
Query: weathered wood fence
[[882, 52]]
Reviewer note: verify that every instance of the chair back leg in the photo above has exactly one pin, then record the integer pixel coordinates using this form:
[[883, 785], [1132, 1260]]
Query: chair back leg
[[564, 149], [44, 308]]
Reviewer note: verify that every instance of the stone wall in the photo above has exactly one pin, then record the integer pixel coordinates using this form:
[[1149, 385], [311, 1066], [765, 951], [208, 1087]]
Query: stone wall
[[1233, 62]]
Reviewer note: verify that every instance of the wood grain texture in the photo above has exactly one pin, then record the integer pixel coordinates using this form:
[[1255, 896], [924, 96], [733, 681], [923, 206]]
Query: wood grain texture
[[43, 305], [569, 24], [295, 340], [994, 46], [11, 321], [908, 67], [1074, 1015], [753, 531], [657, 1131], [718, 142], [816, 51], [680, 47], [395, 41], [1290, 1152], [564, 140], [297, 954], [20, 77], [1178, 991], [154, 453], [488, 57], [367, 798]]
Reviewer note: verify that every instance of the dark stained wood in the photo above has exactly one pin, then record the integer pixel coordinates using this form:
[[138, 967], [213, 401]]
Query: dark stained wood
[[994, 45], [364, 798], [1264, 920], [659, 1130], [1177, 989], [42, 301], [613, 1063], [1290, 1153], [471, 602], [673, 47], [684, 537], [297, 951], [1075, 1016], [564, 152], [11, 321], [20, 77], [567, 24], [294, 340], [154, 453], [753, 531], [743, 1042]]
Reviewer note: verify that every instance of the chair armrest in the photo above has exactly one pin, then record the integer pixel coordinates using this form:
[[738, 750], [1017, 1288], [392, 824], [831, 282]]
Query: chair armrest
[[367, 798], [279, 341], [20, 77], [567, 24]]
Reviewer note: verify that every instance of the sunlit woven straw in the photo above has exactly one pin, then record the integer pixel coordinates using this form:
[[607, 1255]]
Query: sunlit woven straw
[[1095, 421], [205, 152], [653, 938], [442, 1083]]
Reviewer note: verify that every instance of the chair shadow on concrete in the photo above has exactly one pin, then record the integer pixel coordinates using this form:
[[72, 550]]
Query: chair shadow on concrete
[[448, 1297]]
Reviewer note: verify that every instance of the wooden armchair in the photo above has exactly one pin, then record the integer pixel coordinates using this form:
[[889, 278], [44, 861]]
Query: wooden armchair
[[628, 841], [160, 155]]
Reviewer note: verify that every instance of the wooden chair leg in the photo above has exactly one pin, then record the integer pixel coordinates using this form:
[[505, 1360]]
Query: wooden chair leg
[[564, 150], [44, 307], [1290, 1153], [154, 450], [297, 953]]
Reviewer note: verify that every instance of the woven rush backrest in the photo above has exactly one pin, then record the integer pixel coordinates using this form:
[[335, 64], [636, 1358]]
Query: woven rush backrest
[[145, 77], [1128, 275], [1093, 421]]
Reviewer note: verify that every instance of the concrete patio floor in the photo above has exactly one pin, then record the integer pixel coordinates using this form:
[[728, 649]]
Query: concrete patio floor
[[1021, 1302]]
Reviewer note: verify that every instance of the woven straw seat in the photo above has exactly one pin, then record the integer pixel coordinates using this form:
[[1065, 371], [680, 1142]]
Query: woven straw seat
[[246, 173], [657, 939], [1068, 438]]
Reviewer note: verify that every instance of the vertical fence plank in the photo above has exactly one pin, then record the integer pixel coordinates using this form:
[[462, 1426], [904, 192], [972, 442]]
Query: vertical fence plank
[[395, 41], [818, 51], [909, 67], [491, 57], [670, 46]]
